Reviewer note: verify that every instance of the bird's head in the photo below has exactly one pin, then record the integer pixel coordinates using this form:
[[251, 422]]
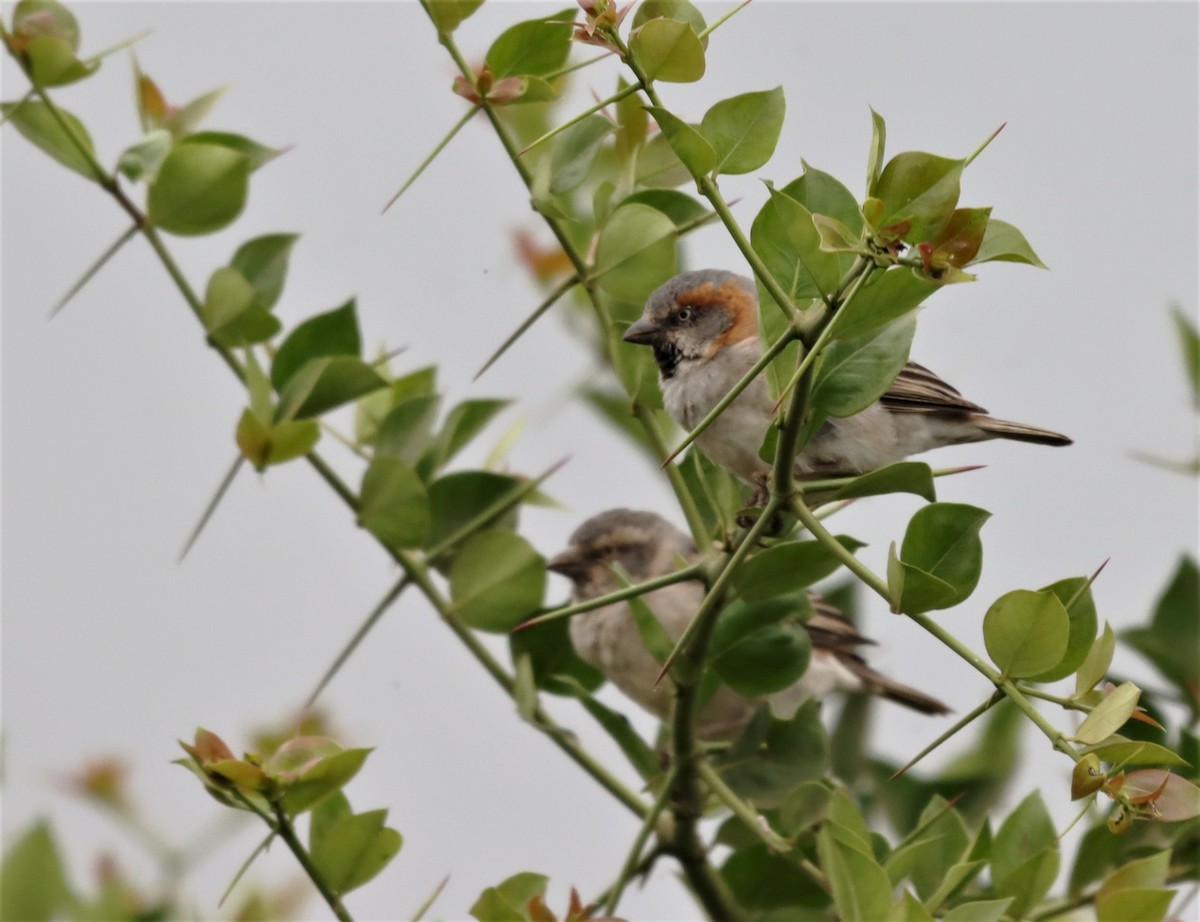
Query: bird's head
[[696, 315], [643, 544]]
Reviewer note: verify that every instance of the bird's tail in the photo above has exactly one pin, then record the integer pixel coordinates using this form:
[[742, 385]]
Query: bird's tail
[[1003, 429], [876, 684]]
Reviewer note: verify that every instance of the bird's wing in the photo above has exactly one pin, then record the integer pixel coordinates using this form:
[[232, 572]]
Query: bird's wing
[[829, 629], [919, 390]]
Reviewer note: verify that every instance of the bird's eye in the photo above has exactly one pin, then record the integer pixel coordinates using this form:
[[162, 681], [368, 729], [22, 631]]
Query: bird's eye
[[683, 315]]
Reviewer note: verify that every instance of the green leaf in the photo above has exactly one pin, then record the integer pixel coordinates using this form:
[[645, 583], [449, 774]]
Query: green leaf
[[861, 889], [763, 880], [184, 120], [325, 383], [668, 50], [854, 373], [784, 235], [823, 194], [508, 901], [1095, 664], [575, 152], [787, 568], [496, 581], [459, 497], [1026, 832], [257, 154], [680, 207], [325, 816], [406, 432], [884, 297], [653, 635], [902, 477], [536, 46], [231, 314], [658, 166], [1173, 636], [942, 542], [768, 659], [142, 159], [635, 253], [1117, 749], [32, 18], [978, 911], [1026, 633], [946, 827], [355, 849], [1142, 904], [682, 10], [200, 188], [1148, 872], [744, 129], [1082, 616], [322, 779], [264, 263], [332, 333], [264, 445], [1189, 341], [449, 14], [639, 753], [52, 62], [689, 145], [33, 883], [553, 658], [393, 504], [1004, 243], [463, 423], [36, 122], [875, 156], [1030, 881], [771, 757], [1109, 715], [919, 192]]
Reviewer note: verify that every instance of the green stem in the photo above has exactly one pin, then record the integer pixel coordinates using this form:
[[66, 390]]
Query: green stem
[[458, 126], [363, 630], [751, 818], [695, 571], [283, 827], [1067, 703], [575, 120], [94, 268], [549, 302], [222, 489], [635, 852], [717, 23], [852, 563], [571, 68], [975, 713], [1003, 684]]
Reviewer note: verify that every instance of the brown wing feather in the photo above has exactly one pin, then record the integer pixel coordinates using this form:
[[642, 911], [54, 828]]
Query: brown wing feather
[[919, 390], [829, 628]]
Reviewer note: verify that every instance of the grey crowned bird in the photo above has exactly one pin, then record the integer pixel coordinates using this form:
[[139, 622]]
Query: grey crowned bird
[[703, 328], [646, 546]]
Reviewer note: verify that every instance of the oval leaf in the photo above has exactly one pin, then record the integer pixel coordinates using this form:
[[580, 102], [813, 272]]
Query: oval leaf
[[668, 50], [1026, 633], [688, 144], [200, 188], [65, 144], [635, 253], [942, 540], [393, 505], [496, 581], [1109, 715], [744, 130]]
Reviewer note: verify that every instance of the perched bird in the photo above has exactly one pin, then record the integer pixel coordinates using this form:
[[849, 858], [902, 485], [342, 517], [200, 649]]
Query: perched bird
[[647, 546], [703, 328]]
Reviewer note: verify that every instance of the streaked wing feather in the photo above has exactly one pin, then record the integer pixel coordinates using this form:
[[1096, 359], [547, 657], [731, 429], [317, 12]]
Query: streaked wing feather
[[919, 390]]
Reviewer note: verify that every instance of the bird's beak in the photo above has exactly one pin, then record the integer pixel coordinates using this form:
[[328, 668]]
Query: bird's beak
[[645, 333], [568, 563]]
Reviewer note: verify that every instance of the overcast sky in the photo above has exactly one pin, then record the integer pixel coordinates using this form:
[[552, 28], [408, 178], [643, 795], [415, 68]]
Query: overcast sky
[[118, 423]]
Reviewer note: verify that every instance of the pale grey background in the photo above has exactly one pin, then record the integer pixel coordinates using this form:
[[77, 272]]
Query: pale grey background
[[118, 422]]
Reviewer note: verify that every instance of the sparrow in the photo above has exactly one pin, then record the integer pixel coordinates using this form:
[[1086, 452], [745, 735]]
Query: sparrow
[[703, 328], [646, 546]]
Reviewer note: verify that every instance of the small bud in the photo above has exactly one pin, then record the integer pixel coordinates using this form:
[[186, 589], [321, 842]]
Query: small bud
[[1088, 777], [1120, 820]]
